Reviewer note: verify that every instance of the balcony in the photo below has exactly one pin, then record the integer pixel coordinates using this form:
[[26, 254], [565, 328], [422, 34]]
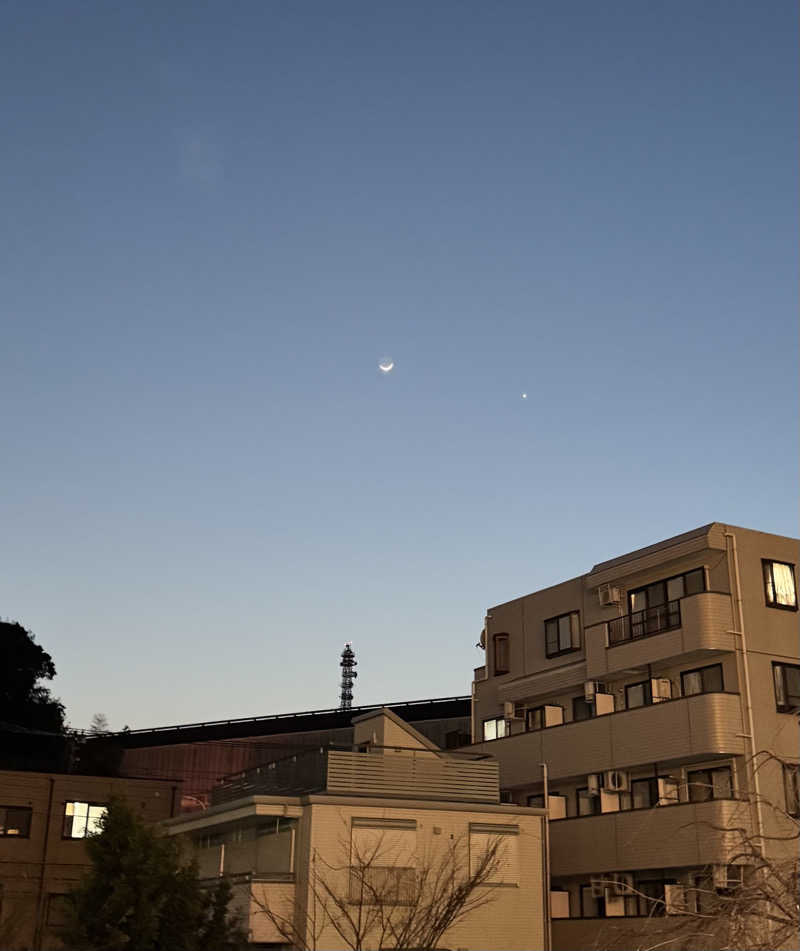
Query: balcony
[[379, 771], [692, 626], [662, 837], [673, 731]]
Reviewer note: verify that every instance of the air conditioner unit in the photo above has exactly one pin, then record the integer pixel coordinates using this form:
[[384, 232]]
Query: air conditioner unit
[[513, 711], [667, 791], [675, 899], [598, 887], [607, 594], [603, 704], [622, 883], [593, 784], [553, 714], [617, 780], [660, 689], [590, 688]]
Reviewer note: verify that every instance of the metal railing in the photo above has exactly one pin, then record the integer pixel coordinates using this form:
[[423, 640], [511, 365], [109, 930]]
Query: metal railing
[[655, 620]]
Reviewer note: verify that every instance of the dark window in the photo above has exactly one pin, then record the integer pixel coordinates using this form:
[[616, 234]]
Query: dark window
[[588, 805], [82, 819], [791, 785], [644, 793], [656, 607], [534, 718], [582, 709], [536, 801], [562, 634], [702, 680], [705, 784], [455, 738], [650, 897], [591, 906], [638, 695], [501, 659], [787, 687], [495, 728], [15, 821], [780, 588]]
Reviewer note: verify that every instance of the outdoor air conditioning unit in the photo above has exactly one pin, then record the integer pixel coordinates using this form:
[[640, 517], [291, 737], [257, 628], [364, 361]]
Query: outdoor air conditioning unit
[[513, 711], [622, 883], [607, 594], [598, 887], [590, 688], [660, 689], [593, 784], [617, 780]]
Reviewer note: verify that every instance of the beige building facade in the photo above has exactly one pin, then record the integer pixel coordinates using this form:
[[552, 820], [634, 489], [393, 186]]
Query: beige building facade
[[44, 821], [661, 690], [331, 850]]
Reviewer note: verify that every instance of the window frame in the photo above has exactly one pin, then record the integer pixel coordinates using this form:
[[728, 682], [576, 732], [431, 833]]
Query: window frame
[[573, 634], [594, 799], [647, 693], [699, 670], [691, 786], [766, 564], [64, 817], [4, 834], [495, 720], [501, 644], [785, 707], [589, 706], [791, 788]]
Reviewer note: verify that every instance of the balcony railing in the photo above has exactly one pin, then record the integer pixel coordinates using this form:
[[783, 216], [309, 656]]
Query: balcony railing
[[662, 617]]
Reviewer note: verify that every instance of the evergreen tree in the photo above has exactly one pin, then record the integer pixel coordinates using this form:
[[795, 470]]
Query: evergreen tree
[[23, 663], [139, 896]]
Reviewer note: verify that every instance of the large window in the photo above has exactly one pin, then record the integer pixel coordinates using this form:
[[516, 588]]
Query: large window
[[702, 680], [495, 728], [779, 584], [82, 819], [383, 861], [501, 658], [705, 784], [15, 821], [787, 687], [656, 607], [791, 784], [562, 634]]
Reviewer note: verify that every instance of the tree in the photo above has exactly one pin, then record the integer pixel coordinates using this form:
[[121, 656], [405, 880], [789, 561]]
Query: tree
[[99, 724], [140, 896], [372, 902], [23, 663]]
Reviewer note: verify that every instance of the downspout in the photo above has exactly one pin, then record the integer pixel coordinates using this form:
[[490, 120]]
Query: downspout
[[548, 920], [742, 649], [39, 923]]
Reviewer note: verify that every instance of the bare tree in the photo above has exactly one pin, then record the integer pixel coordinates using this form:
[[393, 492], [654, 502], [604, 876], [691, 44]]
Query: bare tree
[[373, 902], [99, 724]]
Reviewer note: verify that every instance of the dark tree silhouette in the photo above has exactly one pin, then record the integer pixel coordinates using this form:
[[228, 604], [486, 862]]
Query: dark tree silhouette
[[23, 700]]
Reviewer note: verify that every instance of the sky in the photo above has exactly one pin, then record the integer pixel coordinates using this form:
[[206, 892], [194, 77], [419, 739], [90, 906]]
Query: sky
[[218, 218]]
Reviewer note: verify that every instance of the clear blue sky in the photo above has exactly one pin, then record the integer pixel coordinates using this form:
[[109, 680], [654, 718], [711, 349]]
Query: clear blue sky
[[217, 218]]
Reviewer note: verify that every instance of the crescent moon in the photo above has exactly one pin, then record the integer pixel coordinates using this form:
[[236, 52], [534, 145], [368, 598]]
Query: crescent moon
[[386, 367]]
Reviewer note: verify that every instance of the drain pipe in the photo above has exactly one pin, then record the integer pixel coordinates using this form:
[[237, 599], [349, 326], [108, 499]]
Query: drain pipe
[[733, 562], [548, 918]]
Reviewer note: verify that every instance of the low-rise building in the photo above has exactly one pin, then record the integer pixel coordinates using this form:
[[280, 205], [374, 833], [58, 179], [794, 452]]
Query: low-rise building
[[329, 841], [44, 821], [661, 689]]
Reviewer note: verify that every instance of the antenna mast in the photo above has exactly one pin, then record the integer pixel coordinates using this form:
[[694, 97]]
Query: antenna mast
[[347, 663]]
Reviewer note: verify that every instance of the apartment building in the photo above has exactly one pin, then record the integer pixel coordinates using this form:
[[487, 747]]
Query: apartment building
[[44, 821], [661, 691], [330, 840]]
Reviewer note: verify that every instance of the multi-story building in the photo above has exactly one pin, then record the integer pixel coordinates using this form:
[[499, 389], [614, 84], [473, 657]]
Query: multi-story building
[[335, 848], [661, 691], [44, 821]]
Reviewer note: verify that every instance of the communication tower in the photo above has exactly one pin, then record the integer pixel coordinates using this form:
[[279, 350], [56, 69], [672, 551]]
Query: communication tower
[[347, 663]]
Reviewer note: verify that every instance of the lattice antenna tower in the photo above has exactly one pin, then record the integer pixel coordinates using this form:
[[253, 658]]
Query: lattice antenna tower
[[347, 663]]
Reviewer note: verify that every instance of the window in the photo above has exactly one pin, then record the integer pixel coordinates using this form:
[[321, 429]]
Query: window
[[787, 687], [534, 718], [495, 728], [650, 897], [562, 634], [483, 837], [644, 793], [536, 801], [638, 695], [791, 785], [779, 584], [15, 821], [582, 709], [703, 680], [501, 659], [592, 906], [588, 805], [82, 819], [705, 784], [383, 861], [656, 607]]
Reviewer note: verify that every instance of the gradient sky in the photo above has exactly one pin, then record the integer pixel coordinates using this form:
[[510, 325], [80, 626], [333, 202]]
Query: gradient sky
[[217, 218]]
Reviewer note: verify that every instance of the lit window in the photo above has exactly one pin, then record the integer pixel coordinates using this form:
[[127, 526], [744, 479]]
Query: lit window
[[82, 819], [495, 729], [703, 680], [501, 658], [787, 687], [562, 634], [780, 589], [15, 821]]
